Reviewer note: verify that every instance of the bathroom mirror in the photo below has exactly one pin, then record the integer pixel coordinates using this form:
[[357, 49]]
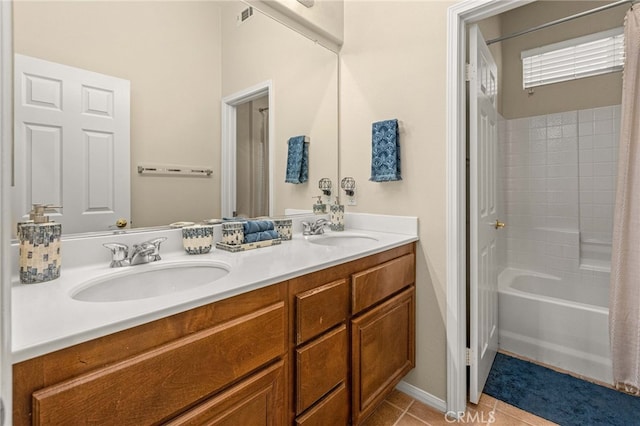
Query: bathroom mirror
[[182, 59]]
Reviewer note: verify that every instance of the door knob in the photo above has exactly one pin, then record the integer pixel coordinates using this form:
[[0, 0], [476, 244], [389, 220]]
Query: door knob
[[499, 224]]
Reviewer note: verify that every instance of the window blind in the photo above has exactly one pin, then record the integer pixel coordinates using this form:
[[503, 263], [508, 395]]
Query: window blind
[[594, 54]]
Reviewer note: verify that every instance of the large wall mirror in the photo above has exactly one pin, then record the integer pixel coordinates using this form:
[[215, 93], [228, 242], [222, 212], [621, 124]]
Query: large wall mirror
[[182, 59]]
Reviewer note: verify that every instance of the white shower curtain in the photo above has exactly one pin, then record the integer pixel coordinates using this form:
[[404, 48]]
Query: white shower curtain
[[624, 303]]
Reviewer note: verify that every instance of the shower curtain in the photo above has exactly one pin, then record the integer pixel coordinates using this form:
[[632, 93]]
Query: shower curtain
[[261, 178], [624, 303]]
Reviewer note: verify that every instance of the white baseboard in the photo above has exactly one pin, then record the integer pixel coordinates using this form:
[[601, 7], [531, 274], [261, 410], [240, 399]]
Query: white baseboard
[[422, 396]]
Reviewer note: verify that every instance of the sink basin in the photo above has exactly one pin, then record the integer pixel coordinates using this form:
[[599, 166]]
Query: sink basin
[[145, 281], [342, 240]]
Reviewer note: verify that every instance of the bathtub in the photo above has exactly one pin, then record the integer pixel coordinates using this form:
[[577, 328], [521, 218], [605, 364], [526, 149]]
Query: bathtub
[[554, 322]]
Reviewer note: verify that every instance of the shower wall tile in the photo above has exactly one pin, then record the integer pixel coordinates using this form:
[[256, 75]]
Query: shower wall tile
[[501, 175], [598, 152], [586, 128], [553, 120], [558, 178]]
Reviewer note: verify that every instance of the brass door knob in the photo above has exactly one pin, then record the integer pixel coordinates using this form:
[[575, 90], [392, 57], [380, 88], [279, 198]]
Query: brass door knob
[[121, 223], [499, 224]]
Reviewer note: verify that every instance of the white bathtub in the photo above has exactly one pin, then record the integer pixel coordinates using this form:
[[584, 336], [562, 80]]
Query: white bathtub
[[554, 322]]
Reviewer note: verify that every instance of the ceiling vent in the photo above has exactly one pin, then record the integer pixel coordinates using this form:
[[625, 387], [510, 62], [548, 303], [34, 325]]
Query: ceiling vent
[[245, 14]]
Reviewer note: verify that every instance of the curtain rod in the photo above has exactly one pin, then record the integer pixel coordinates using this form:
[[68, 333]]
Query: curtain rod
[[560, 21]]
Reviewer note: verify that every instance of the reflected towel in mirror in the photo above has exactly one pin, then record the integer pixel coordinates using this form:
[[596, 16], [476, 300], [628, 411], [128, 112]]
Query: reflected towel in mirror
[[261, 236], [385, 151], [252, 226], [297, 160]]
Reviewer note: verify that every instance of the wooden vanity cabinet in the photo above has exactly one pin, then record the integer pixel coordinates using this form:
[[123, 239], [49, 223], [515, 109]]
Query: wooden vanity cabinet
[[225, 361], [321, 349], [353, 337]]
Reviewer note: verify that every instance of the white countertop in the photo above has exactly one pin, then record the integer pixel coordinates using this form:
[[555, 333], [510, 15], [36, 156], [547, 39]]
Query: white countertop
[[46, 318]]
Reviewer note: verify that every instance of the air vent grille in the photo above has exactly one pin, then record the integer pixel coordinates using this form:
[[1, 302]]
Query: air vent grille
[[246, 14]]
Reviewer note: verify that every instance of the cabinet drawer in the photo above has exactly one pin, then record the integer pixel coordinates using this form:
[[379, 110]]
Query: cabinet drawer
[[332, 410], [320, 366], [257, 400], [321, 308], [375, 284], [155, 385]]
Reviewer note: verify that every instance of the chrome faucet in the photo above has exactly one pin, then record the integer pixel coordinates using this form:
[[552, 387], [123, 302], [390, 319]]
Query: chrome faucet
[[148, 251], [314, 228]]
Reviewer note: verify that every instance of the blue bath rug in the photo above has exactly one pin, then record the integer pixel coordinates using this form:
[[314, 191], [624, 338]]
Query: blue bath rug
[[558, 397]]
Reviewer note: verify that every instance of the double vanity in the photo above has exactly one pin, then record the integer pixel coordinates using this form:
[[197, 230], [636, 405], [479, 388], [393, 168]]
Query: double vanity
[[314, 331]]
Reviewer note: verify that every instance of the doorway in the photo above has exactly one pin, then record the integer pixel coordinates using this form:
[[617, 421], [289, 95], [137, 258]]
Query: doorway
[[252, 158], [459, 18], [247, 161]]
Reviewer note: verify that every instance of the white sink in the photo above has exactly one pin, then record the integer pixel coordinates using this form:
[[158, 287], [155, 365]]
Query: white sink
[[339, 239], [151, 280]]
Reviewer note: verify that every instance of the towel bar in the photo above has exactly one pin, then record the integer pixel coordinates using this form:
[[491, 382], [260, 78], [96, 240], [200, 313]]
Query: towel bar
[[175, 170]]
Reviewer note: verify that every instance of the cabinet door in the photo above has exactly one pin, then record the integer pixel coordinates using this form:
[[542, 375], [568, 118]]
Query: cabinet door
[[255, 401], [383, 351]]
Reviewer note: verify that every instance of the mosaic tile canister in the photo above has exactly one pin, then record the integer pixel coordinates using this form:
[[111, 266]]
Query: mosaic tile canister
[[284, 228], [39, 249], [337, 217], [232, 233], [197, 239]]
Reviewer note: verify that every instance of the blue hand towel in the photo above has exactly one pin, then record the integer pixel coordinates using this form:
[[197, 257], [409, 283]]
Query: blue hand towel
[[385, 151], [260, 236], [297, 160], [253, 226]]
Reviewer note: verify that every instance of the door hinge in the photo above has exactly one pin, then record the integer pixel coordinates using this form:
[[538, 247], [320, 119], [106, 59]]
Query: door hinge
[[1, 412], [469, 72], [468, 357]]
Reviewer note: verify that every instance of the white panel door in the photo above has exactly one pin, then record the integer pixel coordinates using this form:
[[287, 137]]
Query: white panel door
[[483, 139], [71, 144]]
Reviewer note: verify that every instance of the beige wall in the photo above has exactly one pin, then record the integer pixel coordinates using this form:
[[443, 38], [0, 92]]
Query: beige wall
[[170, 51], [584, 93], [393, 65], [305, 85]]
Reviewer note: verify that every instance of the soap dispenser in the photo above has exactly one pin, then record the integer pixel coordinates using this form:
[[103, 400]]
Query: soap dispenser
[[337, 216], [319, 207], [39, 257]]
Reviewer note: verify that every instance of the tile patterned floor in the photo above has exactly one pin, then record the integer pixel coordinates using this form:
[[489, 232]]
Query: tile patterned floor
[[400, 409]]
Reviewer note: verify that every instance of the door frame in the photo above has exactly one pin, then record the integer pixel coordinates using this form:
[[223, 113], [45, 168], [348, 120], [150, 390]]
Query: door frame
[[458, 17], [6, 182], [228, 148]]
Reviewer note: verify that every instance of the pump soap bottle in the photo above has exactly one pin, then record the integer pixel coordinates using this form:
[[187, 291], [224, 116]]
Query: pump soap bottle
[[39, 247], [319, 207], [337, 216]]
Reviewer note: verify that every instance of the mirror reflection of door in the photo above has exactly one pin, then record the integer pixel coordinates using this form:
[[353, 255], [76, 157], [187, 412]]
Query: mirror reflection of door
[[252, 158]]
